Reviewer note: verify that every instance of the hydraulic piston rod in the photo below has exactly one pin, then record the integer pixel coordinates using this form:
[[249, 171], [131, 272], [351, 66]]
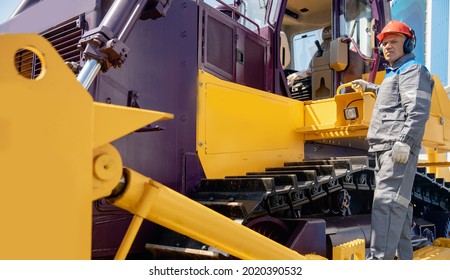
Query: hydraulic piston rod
[[104, 44], [89, 72]]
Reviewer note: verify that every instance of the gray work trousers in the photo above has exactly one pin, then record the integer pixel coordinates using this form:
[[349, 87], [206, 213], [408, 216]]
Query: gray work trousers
[[391, 209]]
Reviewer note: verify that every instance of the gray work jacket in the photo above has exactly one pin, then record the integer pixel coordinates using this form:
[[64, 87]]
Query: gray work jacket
[[402, 106]]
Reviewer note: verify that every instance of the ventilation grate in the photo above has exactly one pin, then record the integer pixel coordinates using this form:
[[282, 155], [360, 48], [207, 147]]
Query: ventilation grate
[[64, 39]]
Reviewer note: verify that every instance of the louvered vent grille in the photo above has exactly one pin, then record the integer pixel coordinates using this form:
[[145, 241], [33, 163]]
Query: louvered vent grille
[[64, 39]]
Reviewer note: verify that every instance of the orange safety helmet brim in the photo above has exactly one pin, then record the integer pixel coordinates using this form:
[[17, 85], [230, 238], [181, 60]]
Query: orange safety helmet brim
[[395, 26]]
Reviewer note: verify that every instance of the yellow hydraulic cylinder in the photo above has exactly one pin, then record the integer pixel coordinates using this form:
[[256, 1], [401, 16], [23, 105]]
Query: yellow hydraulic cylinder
[[129, 237], [155, 202]]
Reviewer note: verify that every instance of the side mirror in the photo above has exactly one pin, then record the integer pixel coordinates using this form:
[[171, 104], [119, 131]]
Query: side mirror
[[338, 55]]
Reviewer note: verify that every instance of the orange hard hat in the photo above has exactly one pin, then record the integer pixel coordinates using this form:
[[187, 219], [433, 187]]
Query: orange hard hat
[[395, 26]]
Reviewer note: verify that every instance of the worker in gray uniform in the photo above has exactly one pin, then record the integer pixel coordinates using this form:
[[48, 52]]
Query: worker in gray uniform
[[395, 134]]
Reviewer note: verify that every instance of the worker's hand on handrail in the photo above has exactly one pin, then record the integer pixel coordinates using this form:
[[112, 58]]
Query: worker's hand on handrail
[[340, 91], [360, 85]]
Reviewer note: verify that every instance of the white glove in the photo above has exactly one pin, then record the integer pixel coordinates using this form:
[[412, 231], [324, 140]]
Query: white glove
[[400, 152], [360, 85]]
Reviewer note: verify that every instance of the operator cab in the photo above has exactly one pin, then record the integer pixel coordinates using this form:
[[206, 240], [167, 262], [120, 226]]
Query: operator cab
[[297, 48], [310, 27]]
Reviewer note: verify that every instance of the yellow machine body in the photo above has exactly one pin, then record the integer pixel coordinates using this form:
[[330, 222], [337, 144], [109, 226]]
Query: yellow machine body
[[324, 119], [241, 129], [440, 250]]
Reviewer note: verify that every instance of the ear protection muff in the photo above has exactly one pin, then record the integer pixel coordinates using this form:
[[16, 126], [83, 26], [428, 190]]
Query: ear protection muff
[[408, 46], [410, 43], [380, 50]]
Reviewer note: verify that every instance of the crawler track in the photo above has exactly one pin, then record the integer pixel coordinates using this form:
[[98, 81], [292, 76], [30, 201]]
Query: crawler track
[[295, 187]]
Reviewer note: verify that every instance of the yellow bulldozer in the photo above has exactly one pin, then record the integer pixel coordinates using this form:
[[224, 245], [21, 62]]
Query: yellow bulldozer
[[199, 129]]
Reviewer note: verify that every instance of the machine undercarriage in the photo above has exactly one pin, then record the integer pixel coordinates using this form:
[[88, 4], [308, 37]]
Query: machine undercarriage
[[328, 200]]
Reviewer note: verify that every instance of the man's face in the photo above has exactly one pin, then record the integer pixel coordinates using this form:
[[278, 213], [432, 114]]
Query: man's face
[[393, 47]]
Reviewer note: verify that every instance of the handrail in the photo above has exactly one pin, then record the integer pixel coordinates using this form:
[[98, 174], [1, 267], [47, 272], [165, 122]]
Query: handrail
[[365, 58], [374, 61], [233, 10], [356, 89], [268, 15]]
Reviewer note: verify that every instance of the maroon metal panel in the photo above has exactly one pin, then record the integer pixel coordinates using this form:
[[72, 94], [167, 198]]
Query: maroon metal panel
[[219, 47], [254, 61], [309, 236], [233, 52]]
